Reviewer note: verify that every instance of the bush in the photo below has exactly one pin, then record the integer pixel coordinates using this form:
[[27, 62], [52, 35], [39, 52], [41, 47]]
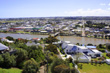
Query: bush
[[80, 66], [108, 54], [30, 66], [21, 55], [102, 50], [52, 48], [60, 66], [55, 63], [9, 60], [89, 44], [36, 53], [9, 38], [51, 39], [70, 59], [1, 61]]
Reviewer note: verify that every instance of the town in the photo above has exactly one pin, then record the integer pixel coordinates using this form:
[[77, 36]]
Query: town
[[59, 26], [50, 54], [54, 36]]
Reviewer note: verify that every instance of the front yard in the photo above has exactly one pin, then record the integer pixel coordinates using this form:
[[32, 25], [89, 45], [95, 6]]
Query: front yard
[[88, 68]]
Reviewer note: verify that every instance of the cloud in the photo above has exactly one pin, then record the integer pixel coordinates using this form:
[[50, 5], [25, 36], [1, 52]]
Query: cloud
[[102, 4], [88, 12], [108, 8], [109, 4]]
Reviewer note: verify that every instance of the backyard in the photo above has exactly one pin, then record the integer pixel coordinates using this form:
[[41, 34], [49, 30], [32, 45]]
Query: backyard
[[99, 68]]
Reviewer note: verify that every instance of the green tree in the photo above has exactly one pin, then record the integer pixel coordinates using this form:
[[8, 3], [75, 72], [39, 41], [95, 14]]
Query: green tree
[[61, 66], [108, 46], [57, 62], [36, 53], [9, 60], [9, 38], [31, 66], [1, 60], [51, 39], [52, 48], [21, 55]]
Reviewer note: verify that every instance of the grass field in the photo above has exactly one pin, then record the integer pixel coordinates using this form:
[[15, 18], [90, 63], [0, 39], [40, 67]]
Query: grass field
[[88, 68], [11, 70]]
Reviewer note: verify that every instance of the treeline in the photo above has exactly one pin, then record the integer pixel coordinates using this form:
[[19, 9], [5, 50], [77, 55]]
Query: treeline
[[95, 25], [88, 18]]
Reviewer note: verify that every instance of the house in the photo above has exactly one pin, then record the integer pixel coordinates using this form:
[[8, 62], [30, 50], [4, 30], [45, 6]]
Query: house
[[72, 49], [6, 40], [32, 43], [64, 44], [3, 48], [93, 52], [68, 48]]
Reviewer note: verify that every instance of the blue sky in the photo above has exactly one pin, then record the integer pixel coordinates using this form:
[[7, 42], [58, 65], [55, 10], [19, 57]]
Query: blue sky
[[51, 8]]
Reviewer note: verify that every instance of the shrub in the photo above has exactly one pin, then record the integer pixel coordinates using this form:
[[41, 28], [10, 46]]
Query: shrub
[[9, 38], [9, 60], [52, 48], [30, 66], [108, 54]]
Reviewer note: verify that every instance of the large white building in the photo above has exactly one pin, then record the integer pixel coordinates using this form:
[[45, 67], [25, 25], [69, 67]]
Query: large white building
[[87, 52]]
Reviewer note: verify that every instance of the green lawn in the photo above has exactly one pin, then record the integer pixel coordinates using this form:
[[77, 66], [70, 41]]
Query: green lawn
[[88, 68], [11, 70]]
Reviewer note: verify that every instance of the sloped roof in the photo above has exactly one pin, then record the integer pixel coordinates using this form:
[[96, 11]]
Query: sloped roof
[[3, 47], [74, 48]]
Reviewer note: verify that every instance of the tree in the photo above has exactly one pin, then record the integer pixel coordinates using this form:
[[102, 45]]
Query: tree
[[57, 62], [89, 44], [21, 55], [51, 39], [52, 48], [108, 46], [61, 66], [36, 53], [9, 38], [9, 60], [100, 46], [1, 61], [31, 66]]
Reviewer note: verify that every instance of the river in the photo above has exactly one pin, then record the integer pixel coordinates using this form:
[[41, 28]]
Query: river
[[72, 39]]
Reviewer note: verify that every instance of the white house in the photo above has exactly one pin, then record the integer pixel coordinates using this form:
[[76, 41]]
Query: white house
[[6, 40], [72, 49], [64, 44], [93, 52]]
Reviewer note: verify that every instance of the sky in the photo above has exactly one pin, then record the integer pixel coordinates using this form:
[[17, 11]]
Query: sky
[[53, 8]]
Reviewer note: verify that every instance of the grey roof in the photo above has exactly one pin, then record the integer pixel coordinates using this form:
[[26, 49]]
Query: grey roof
[[3, 47]]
